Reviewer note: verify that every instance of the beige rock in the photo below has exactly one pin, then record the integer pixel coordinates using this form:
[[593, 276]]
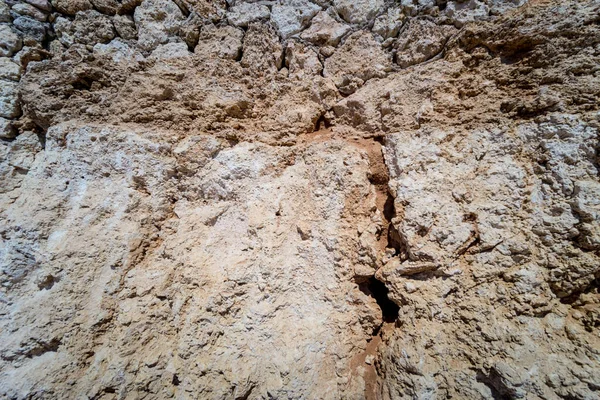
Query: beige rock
[[9, 70], [71, 7], [262, 51], [302, 61], [225, 42], [421, 41], [230, 224], [10, 42], [324, 30], [359, 59]]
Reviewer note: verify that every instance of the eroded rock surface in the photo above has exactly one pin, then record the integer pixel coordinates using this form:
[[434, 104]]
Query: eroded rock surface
[[299, 199]]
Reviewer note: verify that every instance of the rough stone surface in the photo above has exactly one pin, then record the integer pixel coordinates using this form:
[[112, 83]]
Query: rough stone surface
[[9, 70], [157, 22], [358, 11], [223, 42], [324, 30], [307, 200], [359, 59], [9, 101], [243, 14], [10, 42], [71, 7], [291, 17], [7, 130], [29, 10], [420, 41]]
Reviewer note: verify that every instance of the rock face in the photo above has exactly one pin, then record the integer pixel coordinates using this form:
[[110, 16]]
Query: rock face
[[299, 199]]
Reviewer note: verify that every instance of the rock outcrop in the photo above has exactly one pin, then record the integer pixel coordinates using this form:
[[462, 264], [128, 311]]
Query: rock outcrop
[[299, 199]]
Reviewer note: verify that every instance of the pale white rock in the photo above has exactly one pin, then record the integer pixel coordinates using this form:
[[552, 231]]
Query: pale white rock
[[224, 42], [62, 27], [459, 13], [243, 14], [388, 25], [10, 42], [325, 30], [9, 99], [290, 17], [119, 52], [157, 22], [170, 51], [359, 11], [9, 70], [498, 7], [7, 130], [302, 61]]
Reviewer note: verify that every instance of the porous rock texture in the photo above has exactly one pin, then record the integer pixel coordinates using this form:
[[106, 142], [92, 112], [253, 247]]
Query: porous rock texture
[[299, 199]]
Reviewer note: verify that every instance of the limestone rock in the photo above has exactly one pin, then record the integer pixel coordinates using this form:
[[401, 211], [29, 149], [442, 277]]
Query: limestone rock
[[291, 17], [358, 12], [88, 27], [460, 13], [10, 42], [262, 51], [9, 100], [71, 7], [421, 41], [388, 25], [31, 28], [225, 42], [359, 59], [301, 61], [119, 52], [4, 12], [109, 7], [243, 14], [7, 130], [9, 70], [43, 5], [324, 30], [286, 213], [157, 22], [124, 26], [30, 11]]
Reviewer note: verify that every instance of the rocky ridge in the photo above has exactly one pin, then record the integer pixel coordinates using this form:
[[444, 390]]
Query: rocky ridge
[[299, 199]]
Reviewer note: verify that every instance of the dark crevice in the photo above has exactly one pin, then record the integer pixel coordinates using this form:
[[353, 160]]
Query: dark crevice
[[377, 290], [322, 123], [175, 381]]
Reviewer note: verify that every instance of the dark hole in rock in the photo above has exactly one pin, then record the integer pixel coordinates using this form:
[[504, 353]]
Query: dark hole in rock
[[377, 289], [175, 381]]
